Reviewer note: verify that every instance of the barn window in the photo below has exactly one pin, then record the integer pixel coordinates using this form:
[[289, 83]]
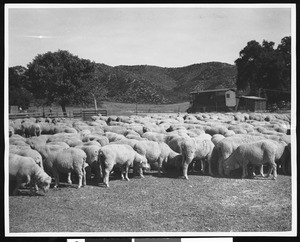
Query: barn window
[[228, 95]]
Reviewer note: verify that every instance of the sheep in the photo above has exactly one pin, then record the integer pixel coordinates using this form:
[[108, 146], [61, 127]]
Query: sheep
[[102, 140], [158, 152], [226, 146], [92, 152], [257, 153], [114, 136], [66, 161], [31, 129], [11, 130], [37, 140], [185, 146], [35, 155], [216, 138], [24, 169], [153, 136], [118, 155]]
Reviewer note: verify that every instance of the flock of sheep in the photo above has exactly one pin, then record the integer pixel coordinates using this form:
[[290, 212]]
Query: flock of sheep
[[216, 143]]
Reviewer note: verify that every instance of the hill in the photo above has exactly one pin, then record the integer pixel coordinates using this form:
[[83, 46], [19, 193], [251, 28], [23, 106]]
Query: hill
[[153, 84]]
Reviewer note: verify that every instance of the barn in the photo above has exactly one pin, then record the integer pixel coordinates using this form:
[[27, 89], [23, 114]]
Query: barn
[[213, 100], [251, 103]]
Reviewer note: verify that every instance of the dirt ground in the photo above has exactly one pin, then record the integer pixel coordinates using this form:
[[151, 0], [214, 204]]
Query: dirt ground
[[158, 204]]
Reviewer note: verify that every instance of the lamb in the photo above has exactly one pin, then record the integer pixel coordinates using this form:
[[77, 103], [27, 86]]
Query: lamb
[[24, 169], [118, 155], [257, 153]]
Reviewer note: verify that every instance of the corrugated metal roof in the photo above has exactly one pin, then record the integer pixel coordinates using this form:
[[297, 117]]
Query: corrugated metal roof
[[253, 97], [214, 90]]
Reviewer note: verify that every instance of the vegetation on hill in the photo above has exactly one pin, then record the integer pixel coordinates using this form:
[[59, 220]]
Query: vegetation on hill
[[63, 78], [153, 84]]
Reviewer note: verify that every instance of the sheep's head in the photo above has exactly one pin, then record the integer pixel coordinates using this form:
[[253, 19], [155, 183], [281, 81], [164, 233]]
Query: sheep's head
[[229, 166]]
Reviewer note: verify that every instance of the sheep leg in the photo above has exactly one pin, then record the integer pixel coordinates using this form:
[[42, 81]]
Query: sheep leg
[[106, 172], [122, 173], [19, 182], [69, 178], [141, 171], [202, 166], [84, 177], [262, 170], [245, 172], [80, 177], [56, 178], [274, 171], [185, 170], [220, 163], [126, 172], [159, 166]]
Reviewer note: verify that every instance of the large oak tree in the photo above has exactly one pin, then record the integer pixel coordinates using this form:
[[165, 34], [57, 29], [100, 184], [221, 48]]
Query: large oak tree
[[63, 78]]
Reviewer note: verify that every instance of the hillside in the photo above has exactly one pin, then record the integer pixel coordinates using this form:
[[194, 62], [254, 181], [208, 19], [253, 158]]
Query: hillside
[[153, 84]]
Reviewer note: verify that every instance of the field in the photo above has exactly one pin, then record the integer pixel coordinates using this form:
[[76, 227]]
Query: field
[[163, 204], [153, 204], [115, 108]]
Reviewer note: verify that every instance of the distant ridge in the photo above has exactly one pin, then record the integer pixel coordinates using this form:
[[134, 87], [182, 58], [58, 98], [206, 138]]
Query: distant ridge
[[154, 84]]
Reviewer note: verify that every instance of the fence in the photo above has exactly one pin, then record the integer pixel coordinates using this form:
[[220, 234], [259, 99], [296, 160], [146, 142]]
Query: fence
[[84, 114]]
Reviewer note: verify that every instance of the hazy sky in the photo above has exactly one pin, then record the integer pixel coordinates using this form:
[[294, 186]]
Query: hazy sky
[[168, 37]]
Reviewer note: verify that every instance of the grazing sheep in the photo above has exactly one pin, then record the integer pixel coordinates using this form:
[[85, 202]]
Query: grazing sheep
[[25, 170], [66, 161], [204, 149], [118, 155], [92, 152], [158, 152], [257, 153], [185, 146], [226, 146]]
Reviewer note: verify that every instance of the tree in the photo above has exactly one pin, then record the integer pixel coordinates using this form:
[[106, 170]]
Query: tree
[[59, 77], [18, 95], [93, 90], [260, 66]]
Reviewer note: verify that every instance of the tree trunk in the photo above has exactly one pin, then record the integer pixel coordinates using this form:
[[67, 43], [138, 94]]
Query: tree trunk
[[95, 101], [63, 107]]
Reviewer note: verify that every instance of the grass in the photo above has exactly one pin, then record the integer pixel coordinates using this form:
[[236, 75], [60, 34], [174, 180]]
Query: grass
[[154, 204], [115, 108]]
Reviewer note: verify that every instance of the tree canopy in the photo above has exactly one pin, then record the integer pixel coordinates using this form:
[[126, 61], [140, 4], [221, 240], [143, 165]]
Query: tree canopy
[[62, 78], [18, 95], [260, 66]]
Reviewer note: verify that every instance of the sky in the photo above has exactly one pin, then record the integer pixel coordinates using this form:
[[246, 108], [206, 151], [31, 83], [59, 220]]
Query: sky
[[162, 36]]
